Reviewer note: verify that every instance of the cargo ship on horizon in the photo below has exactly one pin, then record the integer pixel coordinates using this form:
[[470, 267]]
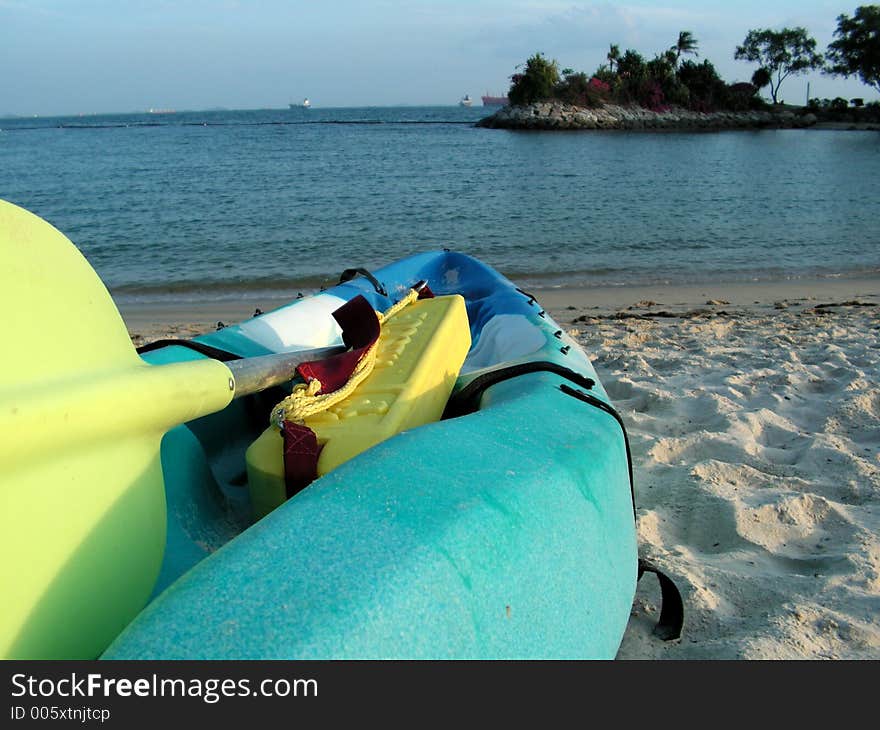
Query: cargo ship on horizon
[[489, 100]]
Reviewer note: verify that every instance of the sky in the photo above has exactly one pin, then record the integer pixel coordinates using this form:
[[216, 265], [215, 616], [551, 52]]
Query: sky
[[102, 56]]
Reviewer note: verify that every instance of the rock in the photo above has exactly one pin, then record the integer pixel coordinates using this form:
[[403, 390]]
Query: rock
[[557, 115]]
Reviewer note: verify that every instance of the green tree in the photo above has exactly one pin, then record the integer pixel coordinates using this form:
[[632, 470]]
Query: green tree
[[632, 65], [686, 44], [856, 48], [761, 78], [742, 96], [632, 73], [613, 56], [707, 89], [782, 52], [537, 82], [660, 68], [661, 71]]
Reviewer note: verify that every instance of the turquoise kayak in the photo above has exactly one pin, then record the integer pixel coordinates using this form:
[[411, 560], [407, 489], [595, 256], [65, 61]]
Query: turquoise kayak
[[416, 463], [505, 529]]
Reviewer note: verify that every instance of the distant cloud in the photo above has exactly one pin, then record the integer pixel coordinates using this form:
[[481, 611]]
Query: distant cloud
[[579, 34]]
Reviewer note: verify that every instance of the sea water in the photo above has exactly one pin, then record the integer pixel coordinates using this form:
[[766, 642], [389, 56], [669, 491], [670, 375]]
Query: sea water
[[217, 204]]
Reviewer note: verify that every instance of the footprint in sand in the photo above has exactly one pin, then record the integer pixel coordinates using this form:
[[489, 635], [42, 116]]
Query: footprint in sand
[[841, 472], [859, 418], [697, 447], [770, 436], [706, 411], [707, 524], [725, 478], [819, 386], [619, 389], [637, 398], [666, 364], [802, 533]]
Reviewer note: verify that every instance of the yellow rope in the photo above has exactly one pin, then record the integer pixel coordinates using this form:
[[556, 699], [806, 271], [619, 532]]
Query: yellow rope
[[304, 401]]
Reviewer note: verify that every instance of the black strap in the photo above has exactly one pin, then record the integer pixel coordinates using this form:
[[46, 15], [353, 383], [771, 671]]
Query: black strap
[[349, 274], [467, 400], [610, 410], [671, 621], [530, 297], [213, 352]]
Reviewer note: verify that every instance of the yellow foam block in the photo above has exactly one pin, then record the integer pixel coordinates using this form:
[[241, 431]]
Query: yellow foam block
[[419, 354]]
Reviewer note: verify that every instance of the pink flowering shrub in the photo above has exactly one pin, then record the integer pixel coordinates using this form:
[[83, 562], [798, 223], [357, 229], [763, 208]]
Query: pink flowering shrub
[[652, 97], [599, 86], [577, 89]]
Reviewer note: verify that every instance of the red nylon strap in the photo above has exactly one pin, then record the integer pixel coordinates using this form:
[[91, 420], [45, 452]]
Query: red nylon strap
[[360, 330], [301, 452]]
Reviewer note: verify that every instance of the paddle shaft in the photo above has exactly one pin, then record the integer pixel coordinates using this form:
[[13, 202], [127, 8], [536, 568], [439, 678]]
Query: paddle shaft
[[253, 374], [82, 417]]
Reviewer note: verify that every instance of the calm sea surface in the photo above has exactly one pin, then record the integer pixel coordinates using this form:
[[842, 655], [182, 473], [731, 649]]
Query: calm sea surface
[[215, 204]]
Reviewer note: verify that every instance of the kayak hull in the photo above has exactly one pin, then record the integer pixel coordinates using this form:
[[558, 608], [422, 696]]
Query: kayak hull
[[419, 549], [507, 532]]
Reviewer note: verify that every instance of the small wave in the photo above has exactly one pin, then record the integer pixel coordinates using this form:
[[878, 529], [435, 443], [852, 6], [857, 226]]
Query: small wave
[[120, 125], [280, 288], [235, 123]]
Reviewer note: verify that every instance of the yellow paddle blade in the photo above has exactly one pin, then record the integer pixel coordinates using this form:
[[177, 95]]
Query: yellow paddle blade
[[82, 505], [57, 315]]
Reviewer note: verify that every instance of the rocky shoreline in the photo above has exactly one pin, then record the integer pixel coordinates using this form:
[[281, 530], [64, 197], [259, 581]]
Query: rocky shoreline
[[556, 115]]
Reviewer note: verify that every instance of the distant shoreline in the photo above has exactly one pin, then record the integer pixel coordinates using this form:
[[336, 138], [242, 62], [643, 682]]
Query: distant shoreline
[[152, 320], [845, 126], [555, 115]]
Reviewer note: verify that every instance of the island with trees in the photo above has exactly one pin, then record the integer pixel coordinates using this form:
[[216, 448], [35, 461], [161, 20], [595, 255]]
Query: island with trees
[[674, 91]]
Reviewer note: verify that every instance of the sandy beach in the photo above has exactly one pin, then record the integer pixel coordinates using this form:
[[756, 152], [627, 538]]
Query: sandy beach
[[753, 412]]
